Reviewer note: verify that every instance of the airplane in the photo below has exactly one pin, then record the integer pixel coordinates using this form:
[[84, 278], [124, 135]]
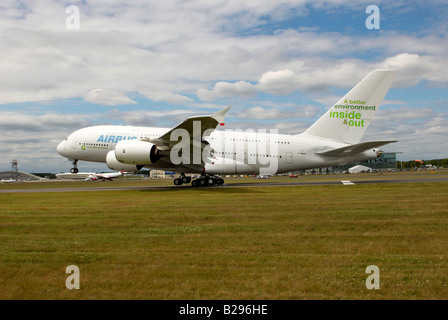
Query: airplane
[[69, 175], [8, 181], [104, 176], [194, 146]]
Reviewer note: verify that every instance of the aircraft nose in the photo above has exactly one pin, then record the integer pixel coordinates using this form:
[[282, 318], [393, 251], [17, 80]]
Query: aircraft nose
[[61, 147]]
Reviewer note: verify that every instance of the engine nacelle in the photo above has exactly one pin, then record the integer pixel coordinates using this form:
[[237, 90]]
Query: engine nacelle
[[114, 164], [136, 152]]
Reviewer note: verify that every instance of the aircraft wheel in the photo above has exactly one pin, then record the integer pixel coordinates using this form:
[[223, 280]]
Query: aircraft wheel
[[219, 181], [195, 183], [186, 179], [202, 182], [74, 170], [177, 182], [211, 181]]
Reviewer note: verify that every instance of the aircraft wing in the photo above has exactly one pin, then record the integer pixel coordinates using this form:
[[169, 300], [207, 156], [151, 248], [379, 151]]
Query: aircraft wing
[[195, 129], [194, 126], [354, 148]]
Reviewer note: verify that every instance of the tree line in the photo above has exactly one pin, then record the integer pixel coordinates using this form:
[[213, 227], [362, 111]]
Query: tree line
[[418, 164]]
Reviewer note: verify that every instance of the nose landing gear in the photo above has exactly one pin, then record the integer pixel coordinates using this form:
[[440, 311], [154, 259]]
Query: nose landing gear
[[75, 166]]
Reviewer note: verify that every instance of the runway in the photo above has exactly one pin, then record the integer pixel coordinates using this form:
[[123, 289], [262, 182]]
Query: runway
[[287, 183]]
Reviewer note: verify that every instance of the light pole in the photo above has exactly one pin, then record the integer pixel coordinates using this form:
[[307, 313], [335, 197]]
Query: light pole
[[15, 168]]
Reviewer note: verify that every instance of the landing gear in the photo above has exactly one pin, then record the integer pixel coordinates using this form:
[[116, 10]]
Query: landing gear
[[182, 179], [75, 166], [203, 181], [207, 181], [186, 179]]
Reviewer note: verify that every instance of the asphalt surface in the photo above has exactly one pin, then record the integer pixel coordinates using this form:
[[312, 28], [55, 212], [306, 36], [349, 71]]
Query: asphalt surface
[[266, 183]]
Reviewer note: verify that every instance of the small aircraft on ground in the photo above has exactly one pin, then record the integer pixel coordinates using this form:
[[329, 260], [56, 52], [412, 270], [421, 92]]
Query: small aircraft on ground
[[104, 176]]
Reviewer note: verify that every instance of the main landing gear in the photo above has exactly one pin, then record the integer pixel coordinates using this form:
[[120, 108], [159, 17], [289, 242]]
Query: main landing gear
[[203, 181], [182, 179], [75, 166]]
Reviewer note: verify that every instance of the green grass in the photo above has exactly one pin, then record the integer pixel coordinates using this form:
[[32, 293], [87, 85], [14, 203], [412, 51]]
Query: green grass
[[298, 242]]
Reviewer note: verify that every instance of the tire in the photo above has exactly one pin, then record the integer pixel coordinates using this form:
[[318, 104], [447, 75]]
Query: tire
[[186, 179], [195, 183], [177, 182]]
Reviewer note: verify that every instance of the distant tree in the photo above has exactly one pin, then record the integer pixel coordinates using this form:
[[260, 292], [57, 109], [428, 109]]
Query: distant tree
[[416, 164]]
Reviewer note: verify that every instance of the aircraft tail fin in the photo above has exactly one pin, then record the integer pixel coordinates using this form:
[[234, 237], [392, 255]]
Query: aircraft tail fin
[[349, 118]]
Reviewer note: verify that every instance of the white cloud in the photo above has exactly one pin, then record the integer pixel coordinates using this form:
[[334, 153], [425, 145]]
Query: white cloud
[[169, 50], [421, 132], [149, 117], [317, 76], [33, 138], [162, 95], [261, 113], [20, 121], [107, 97], [279, 82], [415, 68], [226, 89]]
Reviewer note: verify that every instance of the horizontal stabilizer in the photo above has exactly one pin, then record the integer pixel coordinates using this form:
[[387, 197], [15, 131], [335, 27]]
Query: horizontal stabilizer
[[354, 148]]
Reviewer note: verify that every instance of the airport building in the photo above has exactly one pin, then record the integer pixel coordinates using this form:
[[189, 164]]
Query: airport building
[[386, 161], [157, 174], [18, 176]]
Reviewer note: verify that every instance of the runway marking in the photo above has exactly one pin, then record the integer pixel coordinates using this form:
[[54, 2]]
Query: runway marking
[[347, 183]]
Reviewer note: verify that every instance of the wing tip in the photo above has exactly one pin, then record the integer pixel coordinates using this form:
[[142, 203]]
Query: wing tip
[[220, 115]]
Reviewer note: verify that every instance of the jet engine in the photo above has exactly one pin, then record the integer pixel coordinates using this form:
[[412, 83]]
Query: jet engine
[[114, 164], [136, 152]]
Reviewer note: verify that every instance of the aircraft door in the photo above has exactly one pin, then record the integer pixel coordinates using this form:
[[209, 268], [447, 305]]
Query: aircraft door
[[288, 159]]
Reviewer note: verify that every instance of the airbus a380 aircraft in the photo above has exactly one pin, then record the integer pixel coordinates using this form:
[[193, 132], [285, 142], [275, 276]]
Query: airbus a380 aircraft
[[194, 146]]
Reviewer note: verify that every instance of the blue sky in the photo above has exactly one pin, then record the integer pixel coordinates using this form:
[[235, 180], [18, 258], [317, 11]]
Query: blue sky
[[280, 64]]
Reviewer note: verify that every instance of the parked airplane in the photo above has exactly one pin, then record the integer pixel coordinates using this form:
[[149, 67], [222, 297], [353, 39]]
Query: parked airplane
[[8, 181], [104, 176], [71, 176], [194, 146]]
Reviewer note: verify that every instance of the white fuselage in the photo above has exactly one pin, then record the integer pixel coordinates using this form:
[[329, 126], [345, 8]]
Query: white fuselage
[[233, 152]]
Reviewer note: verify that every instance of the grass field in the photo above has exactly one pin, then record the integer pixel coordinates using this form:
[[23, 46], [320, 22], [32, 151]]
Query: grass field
[[292, 242], [135, 181]]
